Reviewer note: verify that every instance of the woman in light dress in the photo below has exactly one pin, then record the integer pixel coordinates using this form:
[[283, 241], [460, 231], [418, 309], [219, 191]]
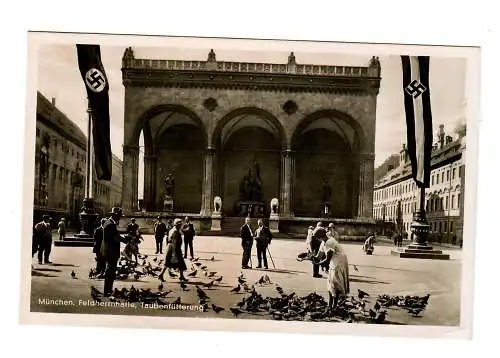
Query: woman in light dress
[[338, 273]]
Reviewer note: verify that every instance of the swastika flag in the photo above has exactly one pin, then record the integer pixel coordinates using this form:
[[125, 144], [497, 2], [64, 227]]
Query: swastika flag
[[418, 116], [96, 84]]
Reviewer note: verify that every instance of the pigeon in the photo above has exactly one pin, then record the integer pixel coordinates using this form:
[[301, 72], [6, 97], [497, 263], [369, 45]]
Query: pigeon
[[210, 284], [192, 274], [372, 313], [235, 311], [177, 301], [197, 264], [236, 289], [218, 279], [203, 267], [415, 311], [137, 276], [171, 274], [201, 294], [183, 285], [195, 260], [212, 259], [217, 309], [261, 280], [212, 273], [376, 306], [73, 274], [362, 294], [355, 268], [91, 273], [155, 259], [241, 280], [160, 287]]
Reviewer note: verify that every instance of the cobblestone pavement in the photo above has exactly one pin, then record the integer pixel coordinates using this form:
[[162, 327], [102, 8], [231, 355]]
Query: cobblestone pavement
[[380, 273]]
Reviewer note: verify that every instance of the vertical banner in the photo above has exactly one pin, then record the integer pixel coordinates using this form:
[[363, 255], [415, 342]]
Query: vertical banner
[[97, 86], [418, 116]]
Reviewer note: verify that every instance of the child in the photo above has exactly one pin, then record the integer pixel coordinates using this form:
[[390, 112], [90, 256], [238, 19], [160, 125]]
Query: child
[[132, 247]]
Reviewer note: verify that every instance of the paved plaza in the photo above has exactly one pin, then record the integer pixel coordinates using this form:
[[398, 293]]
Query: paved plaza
[[377, 274]]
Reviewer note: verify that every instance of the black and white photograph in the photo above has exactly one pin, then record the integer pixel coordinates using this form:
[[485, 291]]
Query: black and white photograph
[[318, 186]]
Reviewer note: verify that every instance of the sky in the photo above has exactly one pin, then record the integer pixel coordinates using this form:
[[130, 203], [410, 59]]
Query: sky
[[59, 77]]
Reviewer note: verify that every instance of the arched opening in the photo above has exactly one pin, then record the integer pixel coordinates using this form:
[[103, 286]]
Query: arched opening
[[250, 144], [174, 141], [327, 146]]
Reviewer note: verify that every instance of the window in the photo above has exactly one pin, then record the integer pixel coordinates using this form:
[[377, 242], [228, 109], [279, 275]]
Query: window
[[453, 173], [451, 226], [445, 226], [446, 203], [458, 201], [453, 201], [439, 227], [448, 175], [442, 177], [432, 180]]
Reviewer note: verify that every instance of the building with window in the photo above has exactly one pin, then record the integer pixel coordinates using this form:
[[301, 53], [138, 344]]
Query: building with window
[[60, 162], [396, 195]]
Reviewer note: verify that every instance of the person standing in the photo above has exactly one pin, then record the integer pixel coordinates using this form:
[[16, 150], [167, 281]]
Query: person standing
[[318, 235], [110, 248], [263, 238], [173, 257], [189, 232], [101, 261], [43, 238], [338, 272], [133, 229], [160, 229], [246, 243], [61, 229]]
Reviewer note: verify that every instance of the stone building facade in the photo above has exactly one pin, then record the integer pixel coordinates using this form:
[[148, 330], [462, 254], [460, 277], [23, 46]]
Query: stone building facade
[[60, 162], [396, 195], [211, 124]]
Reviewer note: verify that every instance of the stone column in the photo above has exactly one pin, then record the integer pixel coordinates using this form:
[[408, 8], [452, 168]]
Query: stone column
[[150, 182], [208, 182], [287, 179], [130, 178], [365, 192]]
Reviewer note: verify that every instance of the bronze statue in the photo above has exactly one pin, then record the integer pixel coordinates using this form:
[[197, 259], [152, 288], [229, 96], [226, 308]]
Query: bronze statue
[[169, 185], [326, 192]]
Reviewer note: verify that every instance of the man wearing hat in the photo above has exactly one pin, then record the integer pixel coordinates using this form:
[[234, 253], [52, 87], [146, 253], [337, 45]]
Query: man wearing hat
[[110, 248], [160, 229], [318, 235], [246, 235], [43, 239]]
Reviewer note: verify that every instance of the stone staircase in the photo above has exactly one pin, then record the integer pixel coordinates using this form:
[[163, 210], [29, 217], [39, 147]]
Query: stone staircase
[[75, 240]]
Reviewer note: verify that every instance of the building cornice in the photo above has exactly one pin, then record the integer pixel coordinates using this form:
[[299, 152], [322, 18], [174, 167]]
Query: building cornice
[[290, 77]]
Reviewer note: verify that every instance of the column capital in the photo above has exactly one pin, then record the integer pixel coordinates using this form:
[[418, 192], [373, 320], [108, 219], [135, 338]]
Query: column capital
[[130, 149], [287, 152], [211, 151]]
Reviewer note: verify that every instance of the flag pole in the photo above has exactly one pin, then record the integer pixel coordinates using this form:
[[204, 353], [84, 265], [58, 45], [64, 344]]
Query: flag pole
[[88, 173]]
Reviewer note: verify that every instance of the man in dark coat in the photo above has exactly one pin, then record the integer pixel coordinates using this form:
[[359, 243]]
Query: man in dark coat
[[263, 238], [133, 229], [246, 235], [188, 232], [110, 248], [43, 238], [318, 235], [101, 261], [160, 229]]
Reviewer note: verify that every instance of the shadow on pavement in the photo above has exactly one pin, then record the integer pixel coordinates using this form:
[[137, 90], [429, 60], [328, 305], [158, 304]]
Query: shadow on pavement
[[65, 265], [48, 269], [41, 274], [354, 279]]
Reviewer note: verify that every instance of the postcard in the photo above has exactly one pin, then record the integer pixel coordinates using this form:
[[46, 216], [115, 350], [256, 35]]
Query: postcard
[[250, 185]]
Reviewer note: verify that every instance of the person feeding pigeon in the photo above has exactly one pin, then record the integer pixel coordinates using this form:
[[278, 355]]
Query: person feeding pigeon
[[110, 248], [174, 258], [338, 273], [368, 246], [307, 254], [318, 235]]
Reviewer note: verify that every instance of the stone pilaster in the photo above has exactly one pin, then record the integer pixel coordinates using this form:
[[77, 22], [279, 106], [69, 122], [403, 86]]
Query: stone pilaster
[[150, 199], [130, 178], [287, 179], [208, 182], [365, 191]]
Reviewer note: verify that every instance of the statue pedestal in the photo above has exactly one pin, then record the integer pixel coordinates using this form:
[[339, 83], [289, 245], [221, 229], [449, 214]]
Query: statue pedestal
[[216, 222], [251, 208], [168, 204], [325, 210], [273, 223]]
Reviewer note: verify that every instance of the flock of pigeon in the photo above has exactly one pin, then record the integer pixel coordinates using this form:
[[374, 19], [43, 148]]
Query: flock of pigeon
[[284, 306]]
